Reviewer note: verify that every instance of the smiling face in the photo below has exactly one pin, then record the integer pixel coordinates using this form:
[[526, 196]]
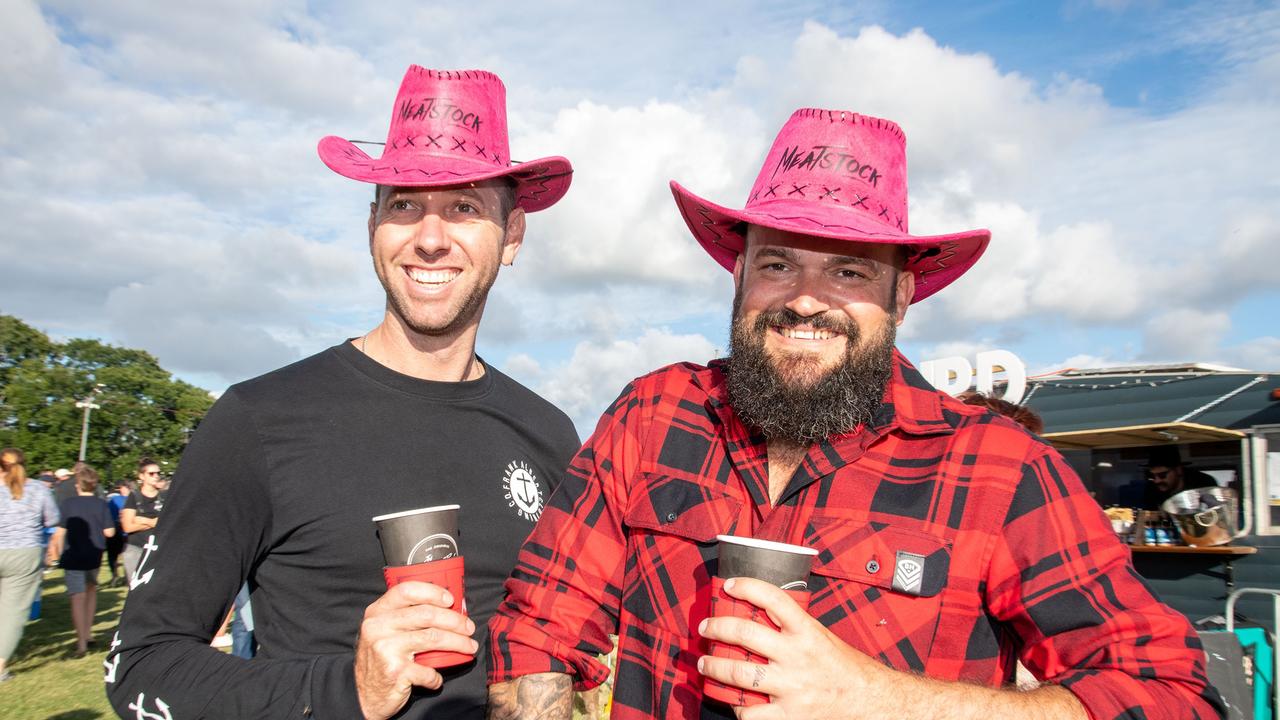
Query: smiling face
[[820, 299], [437, 252], [813, 332]]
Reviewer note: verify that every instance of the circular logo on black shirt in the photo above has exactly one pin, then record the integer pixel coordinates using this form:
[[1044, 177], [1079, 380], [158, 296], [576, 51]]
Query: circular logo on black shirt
[[522, 491]]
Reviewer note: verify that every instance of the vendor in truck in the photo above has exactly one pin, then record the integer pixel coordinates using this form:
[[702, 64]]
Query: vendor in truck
[[1168, 475]]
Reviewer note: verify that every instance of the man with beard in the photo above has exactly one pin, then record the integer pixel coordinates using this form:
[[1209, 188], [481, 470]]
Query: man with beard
[[950, 542], [278, 487]]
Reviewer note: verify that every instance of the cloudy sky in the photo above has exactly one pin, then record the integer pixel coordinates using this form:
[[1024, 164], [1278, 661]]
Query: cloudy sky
[[160, 187]]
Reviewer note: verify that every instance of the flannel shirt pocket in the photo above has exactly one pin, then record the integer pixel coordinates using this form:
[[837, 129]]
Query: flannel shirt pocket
[[878, 587], [671, 549]]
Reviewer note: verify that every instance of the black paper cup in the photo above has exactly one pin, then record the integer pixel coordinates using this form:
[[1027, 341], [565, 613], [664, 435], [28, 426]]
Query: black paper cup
[[418, 536], [780, 564], [786, 566]]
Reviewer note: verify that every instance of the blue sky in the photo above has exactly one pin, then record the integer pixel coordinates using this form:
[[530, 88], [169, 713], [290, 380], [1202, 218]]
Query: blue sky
[[161, 187]]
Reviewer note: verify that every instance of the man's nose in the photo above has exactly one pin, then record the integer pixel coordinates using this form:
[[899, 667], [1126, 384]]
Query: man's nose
[[433, 236], [807, 302]]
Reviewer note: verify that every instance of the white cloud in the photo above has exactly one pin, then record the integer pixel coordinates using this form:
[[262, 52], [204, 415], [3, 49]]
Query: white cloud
[[159, 170], [1077, 362], [1262, 354], [958, 348], [597, 372], [1184, 335], [1097, 214], [271, 55], [619, 223], [1086, 276], [969, 119]]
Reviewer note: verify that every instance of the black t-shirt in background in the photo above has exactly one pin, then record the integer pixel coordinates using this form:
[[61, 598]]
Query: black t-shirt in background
[[145, 507], [84, 517], [64, 490]]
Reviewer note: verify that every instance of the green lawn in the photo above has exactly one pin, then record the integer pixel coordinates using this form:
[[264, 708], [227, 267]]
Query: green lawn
[[48, 683]]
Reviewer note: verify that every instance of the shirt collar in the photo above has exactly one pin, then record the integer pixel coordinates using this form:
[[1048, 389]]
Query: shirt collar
[[911, 404]]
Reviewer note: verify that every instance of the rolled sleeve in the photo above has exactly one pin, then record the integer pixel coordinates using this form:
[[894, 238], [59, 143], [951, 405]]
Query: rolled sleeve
[[564, 592]]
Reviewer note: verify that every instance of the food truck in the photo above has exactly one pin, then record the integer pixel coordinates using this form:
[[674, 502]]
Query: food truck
[[1224, 423]]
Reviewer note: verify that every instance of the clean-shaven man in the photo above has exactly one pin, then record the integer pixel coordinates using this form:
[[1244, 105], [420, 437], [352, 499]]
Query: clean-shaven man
[[278, 485]]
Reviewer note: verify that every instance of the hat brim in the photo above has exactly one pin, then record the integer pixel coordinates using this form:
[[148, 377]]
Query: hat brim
[[539, 183], [938, 261]]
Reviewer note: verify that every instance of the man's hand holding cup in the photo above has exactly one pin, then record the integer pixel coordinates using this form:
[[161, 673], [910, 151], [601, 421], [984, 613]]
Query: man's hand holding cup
[[786, 568], [419, 625]]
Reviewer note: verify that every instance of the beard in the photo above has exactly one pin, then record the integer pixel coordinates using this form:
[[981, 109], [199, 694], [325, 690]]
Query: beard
[[793, 397]]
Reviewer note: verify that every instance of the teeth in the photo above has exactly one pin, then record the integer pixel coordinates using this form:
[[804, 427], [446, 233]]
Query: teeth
[[432, 277], [798, 334]]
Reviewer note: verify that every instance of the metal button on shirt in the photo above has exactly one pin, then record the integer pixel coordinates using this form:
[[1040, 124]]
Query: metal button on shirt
[[671, 517]]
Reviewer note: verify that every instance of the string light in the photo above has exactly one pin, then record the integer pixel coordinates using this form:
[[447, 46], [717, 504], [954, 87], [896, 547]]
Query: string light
[[1112, 386]]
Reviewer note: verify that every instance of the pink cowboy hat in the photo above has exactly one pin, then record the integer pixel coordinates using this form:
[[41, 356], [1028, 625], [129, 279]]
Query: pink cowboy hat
[[839, 175], [450, 127]]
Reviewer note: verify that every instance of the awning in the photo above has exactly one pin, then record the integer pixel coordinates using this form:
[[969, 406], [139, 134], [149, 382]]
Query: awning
[[1139, 436], [1222, 400]]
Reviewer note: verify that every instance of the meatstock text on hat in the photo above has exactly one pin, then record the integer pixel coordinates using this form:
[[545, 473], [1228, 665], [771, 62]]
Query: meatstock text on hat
[[951, 543], [278, 487]]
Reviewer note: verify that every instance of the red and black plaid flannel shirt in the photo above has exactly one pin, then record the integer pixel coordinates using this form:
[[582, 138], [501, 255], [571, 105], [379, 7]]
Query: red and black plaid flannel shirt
[[1018, 561]]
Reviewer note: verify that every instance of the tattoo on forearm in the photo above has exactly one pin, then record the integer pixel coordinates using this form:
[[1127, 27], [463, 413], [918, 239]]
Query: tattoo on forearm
[[545, 696]]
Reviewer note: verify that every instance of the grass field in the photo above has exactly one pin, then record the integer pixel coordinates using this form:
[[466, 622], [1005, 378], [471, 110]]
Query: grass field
[[48, 683]]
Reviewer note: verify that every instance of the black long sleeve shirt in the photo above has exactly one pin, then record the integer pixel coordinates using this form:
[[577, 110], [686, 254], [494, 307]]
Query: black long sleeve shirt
[[278, 486]]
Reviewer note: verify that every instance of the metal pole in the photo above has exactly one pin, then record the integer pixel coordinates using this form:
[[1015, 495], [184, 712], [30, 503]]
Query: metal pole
[[1275, 627], [84, 428], [89, 406]]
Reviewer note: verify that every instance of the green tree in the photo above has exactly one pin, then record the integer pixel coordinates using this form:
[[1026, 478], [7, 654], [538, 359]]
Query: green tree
[[143, 410], [19, 342]]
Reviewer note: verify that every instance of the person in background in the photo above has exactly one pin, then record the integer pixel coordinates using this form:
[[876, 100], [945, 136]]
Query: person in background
[[26, 508], [115, 543], [86, 525], [242, 642], [64, 486], [1168, 475], [140, 514], [1024, 416]]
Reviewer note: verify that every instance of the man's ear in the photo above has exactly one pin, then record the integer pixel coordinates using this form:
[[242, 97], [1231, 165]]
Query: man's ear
[[903, 291], [513, 238], [373, 222], [739, 268]]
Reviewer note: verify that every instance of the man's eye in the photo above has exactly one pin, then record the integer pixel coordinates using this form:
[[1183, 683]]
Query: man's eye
[[859, 273], [400, 205], [466, 207]]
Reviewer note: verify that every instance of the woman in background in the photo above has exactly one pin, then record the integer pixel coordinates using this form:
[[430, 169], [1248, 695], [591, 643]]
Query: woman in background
[[26, 509], [86, 525]]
